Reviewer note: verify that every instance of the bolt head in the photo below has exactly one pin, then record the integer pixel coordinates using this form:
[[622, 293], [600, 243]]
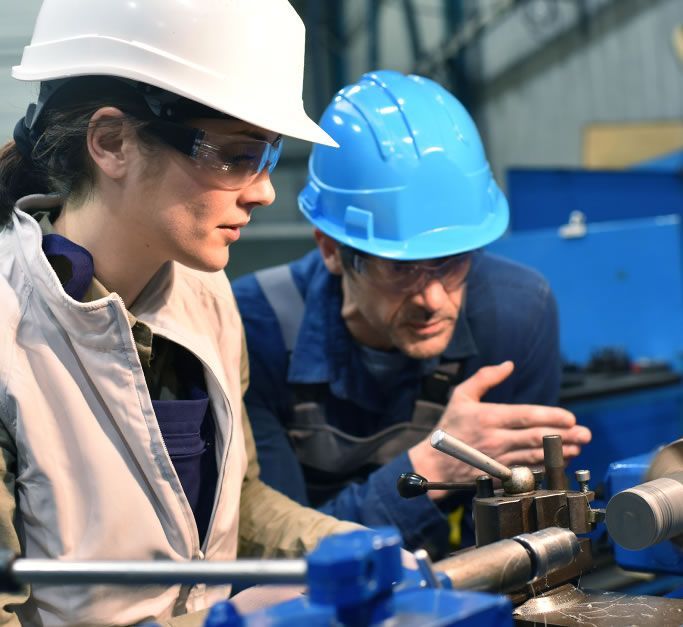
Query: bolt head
[[583, 475]]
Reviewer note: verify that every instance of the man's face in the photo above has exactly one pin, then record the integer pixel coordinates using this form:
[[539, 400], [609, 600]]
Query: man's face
[[412, 309]]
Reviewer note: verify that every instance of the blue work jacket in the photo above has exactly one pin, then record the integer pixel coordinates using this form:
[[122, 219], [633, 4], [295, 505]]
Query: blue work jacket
[[509, 314]]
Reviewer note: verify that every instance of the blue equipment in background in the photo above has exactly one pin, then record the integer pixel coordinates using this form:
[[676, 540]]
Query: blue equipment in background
[[357, 580], [543, 198], [620, 284], [617, 284], [669, 162]]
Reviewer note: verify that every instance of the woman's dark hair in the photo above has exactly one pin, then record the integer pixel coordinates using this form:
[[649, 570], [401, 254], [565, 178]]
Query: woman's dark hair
[[59, 161]]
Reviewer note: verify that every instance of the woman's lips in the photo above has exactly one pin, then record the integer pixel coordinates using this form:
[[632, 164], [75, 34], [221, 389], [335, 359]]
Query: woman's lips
[[231, 233]]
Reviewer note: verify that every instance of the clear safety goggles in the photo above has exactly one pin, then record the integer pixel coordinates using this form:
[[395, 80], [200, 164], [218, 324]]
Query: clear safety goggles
[[410, 276], [234, 160]]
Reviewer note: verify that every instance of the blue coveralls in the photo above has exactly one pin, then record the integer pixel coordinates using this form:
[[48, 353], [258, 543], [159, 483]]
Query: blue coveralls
[[509, 313]]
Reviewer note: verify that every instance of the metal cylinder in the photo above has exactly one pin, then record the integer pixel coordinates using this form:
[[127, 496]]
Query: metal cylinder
[[450, 445], [553, 460], [484, 487], [552, 548], [647, 514], [45, 571], [510, 564]]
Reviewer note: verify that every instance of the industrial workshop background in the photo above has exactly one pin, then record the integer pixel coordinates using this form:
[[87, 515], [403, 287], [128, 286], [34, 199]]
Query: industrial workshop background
[[536, 74]]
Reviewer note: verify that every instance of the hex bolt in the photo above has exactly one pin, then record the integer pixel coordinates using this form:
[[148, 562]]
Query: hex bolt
[[582, 478]]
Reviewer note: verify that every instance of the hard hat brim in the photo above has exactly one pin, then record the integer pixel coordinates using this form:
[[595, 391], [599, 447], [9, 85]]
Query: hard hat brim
[[135, 62]]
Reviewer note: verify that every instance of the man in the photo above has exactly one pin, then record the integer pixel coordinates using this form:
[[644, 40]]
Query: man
[[356, 347]]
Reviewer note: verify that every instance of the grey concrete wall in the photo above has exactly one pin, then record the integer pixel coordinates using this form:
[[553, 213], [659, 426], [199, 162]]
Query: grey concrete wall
[[618, 67]]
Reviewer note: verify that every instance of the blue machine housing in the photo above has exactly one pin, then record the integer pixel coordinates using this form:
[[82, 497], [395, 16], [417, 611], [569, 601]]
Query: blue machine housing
[[620, 285], [664, 557], [542, 198], [357, 580]]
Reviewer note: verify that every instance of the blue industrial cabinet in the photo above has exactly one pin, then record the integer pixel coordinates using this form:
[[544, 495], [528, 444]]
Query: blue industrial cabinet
[[543, 198]]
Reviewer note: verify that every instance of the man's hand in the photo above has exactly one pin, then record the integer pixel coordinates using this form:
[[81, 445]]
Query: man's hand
[[511, 434]]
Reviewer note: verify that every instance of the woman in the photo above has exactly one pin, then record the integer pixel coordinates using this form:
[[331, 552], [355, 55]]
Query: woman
[[122, 361]]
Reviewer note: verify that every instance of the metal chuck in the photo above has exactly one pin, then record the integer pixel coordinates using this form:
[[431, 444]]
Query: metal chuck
[[648, 513]]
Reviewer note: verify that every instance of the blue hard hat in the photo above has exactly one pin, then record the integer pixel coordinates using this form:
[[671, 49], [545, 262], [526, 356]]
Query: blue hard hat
[[410, 179]]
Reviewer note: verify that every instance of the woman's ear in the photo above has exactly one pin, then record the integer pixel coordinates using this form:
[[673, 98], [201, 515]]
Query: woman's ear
[[108, 141], [329, 251]]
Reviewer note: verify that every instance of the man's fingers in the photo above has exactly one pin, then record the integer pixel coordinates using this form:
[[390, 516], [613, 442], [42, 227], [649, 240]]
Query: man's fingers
[[517, 439], [534, 456], [526, 416], [483, 380]]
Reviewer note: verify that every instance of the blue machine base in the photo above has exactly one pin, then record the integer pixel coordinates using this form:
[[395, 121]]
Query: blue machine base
[[411, 608]]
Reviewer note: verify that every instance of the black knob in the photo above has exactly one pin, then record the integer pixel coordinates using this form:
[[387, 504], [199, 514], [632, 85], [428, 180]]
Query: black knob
[[411, 485]]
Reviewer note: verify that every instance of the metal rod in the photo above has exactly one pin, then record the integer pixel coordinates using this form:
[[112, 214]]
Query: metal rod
[[450, 445], [44, 571], [553, 460], [426, 569]]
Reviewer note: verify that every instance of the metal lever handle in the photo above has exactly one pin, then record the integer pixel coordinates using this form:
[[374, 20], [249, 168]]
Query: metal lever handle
[[411, 484], [516, 480], [450, 445]]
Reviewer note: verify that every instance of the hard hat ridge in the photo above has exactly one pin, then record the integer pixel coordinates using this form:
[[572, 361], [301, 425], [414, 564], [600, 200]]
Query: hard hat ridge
[[411, 179]]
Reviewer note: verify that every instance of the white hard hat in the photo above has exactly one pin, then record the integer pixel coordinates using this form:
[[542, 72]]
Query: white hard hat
[[244, 58]]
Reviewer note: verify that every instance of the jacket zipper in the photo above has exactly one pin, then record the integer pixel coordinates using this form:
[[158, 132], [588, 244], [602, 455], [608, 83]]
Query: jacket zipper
[[197, 550]]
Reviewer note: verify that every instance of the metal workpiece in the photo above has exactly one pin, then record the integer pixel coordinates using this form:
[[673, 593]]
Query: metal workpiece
[[568, 606], [46, 571], [553, 460], [668, 460], [511, 564], [516, 480], [503, 566], [552, 548], [647, 514]]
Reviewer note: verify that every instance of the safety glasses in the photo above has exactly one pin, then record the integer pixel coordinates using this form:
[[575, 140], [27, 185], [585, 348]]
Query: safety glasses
[[409, 276], [234, 160]]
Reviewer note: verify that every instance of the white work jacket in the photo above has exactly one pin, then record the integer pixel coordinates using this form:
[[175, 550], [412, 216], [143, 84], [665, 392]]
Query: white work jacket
[[94, 479]]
